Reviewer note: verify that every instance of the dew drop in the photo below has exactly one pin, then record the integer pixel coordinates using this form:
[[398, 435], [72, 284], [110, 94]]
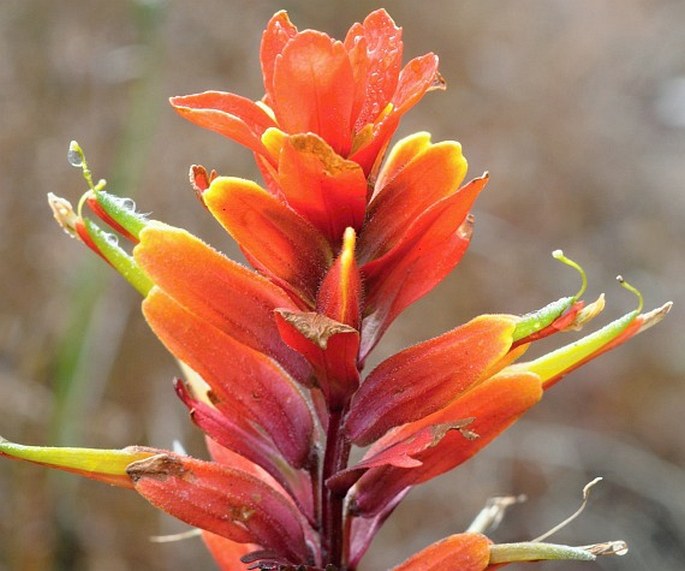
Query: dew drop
[[75, 155], [112, 240], [128, 204]]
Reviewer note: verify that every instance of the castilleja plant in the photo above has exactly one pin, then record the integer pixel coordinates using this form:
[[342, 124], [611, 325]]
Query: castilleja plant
[[343, 237]]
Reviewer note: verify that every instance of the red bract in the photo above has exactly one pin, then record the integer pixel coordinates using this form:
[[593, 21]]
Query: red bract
[[413, 231], [464, 551], [351, 94], [223, 500], [341, 241]]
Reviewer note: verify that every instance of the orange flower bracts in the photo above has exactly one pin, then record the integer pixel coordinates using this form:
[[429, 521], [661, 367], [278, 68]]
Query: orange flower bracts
[[342, 237]]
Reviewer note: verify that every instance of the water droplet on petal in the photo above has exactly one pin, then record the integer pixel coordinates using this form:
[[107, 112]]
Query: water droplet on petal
[[128, 204], [112, 239]]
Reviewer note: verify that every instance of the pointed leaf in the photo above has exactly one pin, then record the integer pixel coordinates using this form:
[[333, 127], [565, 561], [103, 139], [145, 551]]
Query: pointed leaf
[[356, 47], [321, 186], [426, 377], [254, 384], [364, 529], [464, 551], [370, 144], [285, 246], [230, 115], [108, 466], [416, 78], [401, 154], [494, 404], [234, 299], [234, 432], [222, 500], [313, 89]]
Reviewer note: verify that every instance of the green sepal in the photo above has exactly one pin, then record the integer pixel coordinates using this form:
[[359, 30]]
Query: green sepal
[[556, 363], [537, 320], [535, 551], [121, 210], [110, 250], [104, 465]]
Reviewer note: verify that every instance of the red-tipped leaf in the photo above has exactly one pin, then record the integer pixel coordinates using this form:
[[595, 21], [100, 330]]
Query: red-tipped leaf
[[434, 172], [375, 50], [295, 485], [234, 432], [419, 76], [278, 32], [430, 248]]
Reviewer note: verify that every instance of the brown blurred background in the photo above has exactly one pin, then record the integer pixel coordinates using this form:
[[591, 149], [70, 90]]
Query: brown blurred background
[[576, 108]]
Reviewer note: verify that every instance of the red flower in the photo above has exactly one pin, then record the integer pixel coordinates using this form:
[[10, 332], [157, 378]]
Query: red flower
[[413, 232], [351, 94], [273, 357]]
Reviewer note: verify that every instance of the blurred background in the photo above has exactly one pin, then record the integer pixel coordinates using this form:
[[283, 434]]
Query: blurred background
[[576, 108]]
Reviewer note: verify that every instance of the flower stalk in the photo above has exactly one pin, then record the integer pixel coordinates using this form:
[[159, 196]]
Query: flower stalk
[[336, 458]]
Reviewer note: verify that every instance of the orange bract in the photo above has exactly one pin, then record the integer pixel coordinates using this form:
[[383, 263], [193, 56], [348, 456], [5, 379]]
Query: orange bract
[[341, 241], [350, 94]]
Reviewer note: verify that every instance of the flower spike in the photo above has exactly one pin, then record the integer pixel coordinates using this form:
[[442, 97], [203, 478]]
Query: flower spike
[[341, 239]]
